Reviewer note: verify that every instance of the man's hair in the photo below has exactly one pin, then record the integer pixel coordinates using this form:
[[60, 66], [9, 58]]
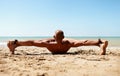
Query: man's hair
[[59, 34]]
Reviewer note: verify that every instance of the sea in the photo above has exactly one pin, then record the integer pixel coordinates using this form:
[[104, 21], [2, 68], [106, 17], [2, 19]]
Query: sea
[[114, 41]]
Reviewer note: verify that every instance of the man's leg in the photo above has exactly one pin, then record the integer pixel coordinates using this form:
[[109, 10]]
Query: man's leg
[[101, 43], [39, 43], [103, 47], [13, 44]]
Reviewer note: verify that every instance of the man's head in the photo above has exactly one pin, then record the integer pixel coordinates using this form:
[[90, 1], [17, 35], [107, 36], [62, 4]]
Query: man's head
[[59, 35]]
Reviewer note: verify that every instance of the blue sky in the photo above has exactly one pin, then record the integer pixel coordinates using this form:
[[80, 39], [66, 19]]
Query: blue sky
[[74, 17]]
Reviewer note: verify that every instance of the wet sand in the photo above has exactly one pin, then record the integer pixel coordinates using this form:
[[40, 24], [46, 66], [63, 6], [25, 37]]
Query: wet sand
[[81, 61]]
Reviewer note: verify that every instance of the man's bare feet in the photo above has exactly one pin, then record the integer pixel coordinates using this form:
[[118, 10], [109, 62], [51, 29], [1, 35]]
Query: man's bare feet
[[12, 45], [103, 47]]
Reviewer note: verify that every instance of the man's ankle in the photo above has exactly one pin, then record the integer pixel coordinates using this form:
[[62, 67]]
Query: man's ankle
[[15, 42], [100, 42]]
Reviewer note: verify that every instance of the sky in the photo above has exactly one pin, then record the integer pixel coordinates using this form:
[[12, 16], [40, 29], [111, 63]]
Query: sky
[[74, 17]]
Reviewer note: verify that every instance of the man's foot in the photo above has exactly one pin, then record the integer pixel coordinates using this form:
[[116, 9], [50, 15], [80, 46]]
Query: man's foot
[[103, 46], [12, 45]]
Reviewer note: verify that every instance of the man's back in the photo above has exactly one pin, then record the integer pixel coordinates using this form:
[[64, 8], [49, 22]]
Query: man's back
[[55, 47]]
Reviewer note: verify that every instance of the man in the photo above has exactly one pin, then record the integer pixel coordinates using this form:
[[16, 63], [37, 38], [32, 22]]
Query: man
[[58, 44]]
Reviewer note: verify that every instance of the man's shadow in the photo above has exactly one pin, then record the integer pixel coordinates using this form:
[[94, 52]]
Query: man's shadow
[[68, 53]]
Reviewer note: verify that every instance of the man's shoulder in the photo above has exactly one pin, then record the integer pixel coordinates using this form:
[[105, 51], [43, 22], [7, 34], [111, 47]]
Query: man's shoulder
[[50, 40], [69, 40], [66, 41]]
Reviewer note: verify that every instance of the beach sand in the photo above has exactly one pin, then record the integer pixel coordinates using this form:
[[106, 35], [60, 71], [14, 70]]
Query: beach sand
[[81, 61]]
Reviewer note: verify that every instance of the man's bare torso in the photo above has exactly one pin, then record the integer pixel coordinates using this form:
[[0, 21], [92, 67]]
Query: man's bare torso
[[54, 47]]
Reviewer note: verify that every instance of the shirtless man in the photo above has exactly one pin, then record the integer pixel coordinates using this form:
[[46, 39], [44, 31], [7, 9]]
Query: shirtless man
[[58, 44]]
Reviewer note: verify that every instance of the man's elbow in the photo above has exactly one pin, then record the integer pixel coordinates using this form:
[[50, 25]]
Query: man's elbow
[[39, 44], [77, 44]]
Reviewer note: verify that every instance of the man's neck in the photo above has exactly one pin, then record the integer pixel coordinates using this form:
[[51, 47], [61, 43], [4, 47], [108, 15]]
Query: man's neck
[[59, 42]]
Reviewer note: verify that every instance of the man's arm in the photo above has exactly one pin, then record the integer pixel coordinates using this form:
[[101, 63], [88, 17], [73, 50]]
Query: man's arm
[[40, 43], [76, 43], [43, 43]]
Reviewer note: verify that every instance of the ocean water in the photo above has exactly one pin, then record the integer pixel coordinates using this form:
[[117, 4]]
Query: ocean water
[[113, 41]]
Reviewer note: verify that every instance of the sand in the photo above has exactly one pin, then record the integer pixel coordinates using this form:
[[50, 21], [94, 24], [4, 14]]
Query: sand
[[81, 61]]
